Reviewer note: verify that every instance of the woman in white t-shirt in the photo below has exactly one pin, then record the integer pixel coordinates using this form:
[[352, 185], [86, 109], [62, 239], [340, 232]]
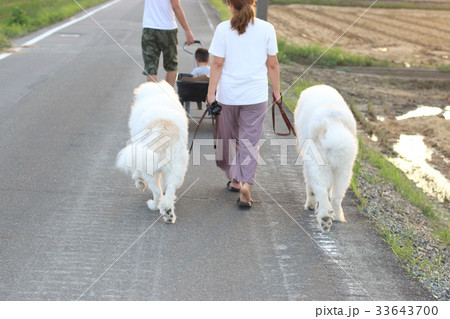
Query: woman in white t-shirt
[[244, 50]]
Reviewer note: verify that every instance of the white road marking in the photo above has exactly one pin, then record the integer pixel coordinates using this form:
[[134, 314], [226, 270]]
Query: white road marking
[[56, 29], [206, 15]]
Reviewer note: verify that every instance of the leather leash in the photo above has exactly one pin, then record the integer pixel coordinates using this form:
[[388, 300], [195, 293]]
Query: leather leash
[[214, 124], [285, 118]]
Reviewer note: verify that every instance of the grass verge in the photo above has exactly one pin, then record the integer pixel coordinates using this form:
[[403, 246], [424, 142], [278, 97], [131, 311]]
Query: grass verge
[[333, 57], [291, 94], [402, 243], [409, 191], [18, 18], [222, 8], [444, 68], [403, 185]]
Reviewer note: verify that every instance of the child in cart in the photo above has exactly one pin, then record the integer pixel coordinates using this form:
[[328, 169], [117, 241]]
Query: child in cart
[[201, 60], [192, 87]]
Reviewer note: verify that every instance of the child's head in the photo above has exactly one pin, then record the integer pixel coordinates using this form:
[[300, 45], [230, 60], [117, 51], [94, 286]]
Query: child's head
[[201, 56]]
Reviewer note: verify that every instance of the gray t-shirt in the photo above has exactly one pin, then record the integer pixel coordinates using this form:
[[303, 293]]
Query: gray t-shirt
[[201, 70]]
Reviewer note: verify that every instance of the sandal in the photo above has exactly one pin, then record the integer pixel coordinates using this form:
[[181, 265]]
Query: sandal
[[244, 204], [232, 189]]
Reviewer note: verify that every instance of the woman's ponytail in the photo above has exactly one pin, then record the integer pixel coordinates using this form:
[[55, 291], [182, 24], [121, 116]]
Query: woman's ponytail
[[242, 14]]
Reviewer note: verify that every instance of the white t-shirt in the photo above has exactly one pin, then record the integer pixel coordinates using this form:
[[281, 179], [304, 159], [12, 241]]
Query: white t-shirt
[[244, 74], [158, 14]]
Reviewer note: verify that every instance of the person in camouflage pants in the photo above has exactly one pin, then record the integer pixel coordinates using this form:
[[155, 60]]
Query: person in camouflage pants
[[159, 34]]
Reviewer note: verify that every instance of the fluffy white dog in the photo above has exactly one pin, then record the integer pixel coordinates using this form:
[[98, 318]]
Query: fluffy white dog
[[323, 117], [156, 154]]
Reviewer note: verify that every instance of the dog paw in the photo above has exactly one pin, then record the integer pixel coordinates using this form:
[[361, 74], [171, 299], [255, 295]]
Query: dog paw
[[169, 217], [140, 184], [152, 204], [325, 224]]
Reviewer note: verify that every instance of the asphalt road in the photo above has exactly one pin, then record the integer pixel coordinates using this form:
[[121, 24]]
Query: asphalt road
[[74, 228]]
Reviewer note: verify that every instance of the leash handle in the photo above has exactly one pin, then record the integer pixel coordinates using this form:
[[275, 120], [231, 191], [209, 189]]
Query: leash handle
[[283, 115]]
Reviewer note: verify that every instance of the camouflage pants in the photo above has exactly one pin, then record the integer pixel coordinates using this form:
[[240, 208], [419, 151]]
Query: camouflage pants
[[154, 42]]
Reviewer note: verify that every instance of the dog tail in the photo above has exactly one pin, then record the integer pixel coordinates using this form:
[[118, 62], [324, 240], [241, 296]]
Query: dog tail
[[124, 158], [339, 144], [139, 157]]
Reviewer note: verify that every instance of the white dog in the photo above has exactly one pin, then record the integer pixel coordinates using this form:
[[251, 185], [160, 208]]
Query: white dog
[[156, 154], [323, 117]]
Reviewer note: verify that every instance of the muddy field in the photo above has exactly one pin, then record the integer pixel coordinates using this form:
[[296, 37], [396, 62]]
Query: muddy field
[[408, 37], [404, 36]]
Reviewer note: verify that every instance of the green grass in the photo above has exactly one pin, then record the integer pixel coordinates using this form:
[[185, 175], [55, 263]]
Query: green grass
[[409, 256], [4, 41], [222, 8], [402, 243], [403, 185], [354, 181], [444, 68], [291, 94], [335, 56], [397, 4], [20, 17]]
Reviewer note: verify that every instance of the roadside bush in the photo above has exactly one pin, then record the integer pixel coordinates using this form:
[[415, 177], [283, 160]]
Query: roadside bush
[[18, 17], [4, 42]]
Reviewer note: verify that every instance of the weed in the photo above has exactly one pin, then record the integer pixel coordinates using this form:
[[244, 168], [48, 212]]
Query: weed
[[292, 93], [18, 17], [4, 41], [317, 53], [444, 68], [402, 244], [222, 8]]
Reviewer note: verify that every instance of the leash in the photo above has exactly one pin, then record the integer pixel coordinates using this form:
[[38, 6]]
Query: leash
[[214, 124], [285, 118]]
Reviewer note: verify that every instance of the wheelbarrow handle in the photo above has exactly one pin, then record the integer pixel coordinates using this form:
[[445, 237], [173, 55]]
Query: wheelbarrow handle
[[195, 42]]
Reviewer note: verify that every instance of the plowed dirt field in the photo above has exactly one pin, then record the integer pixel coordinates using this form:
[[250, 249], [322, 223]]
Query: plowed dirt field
[[405, 36]]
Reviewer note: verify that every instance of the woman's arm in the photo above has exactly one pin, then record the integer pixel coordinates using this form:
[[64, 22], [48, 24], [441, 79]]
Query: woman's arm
[[274, 74], [215, 73]]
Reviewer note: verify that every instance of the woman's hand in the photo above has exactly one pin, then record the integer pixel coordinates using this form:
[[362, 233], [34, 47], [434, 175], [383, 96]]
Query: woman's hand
[[277, 96], [210, 98]]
